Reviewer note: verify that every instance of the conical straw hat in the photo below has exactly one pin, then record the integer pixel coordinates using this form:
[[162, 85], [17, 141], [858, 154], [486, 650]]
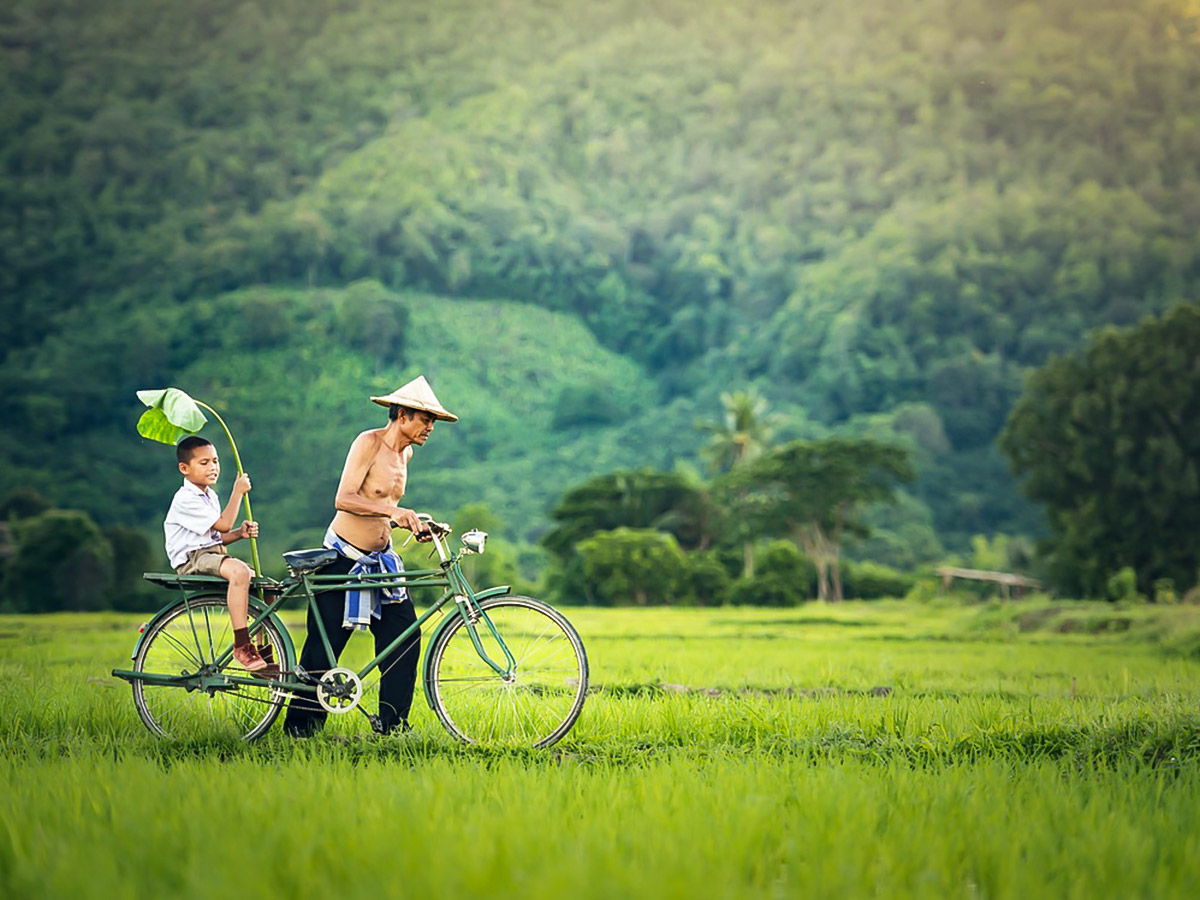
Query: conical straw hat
[[417, 394]]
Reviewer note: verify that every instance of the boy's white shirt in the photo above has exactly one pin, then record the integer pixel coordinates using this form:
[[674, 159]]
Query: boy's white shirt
[[189, 522]]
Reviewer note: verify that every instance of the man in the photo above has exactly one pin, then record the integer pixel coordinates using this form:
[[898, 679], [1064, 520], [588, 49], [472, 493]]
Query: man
[[368, 508]]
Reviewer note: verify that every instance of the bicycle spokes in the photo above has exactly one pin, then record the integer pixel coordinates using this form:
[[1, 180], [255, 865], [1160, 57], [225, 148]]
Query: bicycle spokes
[[531, 704], [203, 700]]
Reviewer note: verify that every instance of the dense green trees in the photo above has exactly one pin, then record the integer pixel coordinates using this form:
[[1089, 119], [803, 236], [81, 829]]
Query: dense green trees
[[655, 512], [815, 492], [54, 560], [741, 431], [62, 562], [739, 436], [629, 565], [665, 501], [622, 537], [865, 209], [1109, 439], [785, 578]]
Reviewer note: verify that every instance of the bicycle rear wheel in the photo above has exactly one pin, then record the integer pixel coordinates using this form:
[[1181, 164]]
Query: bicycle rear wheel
[[186, 641], [532, 707]]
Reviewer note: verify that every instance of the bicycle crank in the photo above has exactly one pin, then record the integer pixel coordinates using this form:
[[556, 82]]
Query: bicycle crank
[[339, 690]]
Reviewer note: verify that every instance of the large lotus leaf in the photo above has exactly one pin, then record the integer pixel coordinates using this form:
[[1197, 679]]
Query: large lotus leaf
[[172, 415]]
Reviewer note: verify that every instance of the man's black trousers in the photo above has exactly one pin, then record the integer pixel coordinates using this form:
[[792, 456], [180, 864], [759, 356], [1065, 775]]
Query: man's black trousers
[[399, 668]]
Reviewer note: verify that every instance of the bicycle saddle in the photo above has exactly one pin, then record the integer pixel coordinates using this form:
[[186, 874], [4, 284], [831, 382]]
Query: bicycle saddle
[[308, 560]]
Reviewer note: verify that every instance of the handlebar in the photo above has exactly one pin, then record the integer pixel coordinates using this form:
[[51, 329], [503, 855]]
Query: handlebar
[[437, 531], [438, 528], [473, 541]]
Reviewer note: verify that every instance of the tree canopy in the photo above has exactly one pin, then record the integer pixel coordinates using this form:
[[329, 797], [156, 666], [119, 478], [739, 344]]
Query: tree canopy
[[815, 492], [861, 208], [1108, 438], [646, 499]]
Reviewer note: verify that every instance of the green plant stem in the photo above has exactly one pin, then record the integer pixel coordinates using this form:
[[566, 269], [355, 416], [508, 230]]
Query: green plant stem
[[237, 460]]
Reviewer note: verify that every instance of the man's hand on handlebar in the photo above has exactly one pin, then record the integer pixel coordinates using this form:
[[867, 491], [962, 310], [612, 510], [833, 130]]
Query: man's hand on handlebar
[[421, 525], [406, 518], [430, 528]]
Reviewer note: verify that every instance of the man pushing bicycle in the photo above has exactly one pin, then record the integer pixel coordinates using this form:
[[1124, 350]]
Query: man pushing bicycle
[[368, 497]]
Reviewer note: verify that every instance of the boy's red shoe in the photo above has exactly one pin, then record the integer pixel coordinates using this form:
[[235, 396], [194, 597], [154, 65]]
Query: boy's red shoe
[[247, 657], [267, 652]]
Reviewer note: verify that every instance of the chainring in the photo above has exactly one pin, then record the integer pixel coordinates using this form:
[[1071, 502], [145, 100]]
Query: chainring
[[339, 690]]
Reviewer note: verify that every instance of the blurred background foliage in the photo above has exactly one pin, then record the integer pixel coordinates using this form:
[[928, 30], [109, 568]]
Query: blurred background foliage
[[584, 222]]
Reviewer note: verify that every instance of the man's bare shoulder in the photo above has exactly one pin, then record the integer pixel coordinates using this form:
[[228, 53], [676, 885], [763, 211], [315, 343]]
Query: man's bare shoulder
[[363, 448], [369, 438]]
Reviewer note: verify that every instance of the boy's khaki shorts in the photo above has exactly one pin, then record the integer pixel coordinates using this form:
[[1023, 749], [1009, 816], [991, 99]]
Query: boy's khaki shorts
[[205, 561]]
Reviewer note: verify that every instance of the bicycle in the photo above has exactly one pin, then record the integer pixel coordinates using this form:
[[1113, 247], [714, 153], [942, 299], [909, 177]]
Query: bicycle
[[500, 668]]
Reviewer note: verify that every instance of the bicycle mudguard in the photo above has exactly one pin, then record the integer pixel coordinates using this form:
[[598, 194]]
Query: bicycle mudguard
[[289, 649], [445, 623]]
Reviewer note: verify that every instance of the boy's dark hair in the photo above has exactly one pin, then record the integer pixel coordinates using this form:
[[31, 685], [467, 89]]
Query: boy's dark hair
[[394, 412], [186, 448]]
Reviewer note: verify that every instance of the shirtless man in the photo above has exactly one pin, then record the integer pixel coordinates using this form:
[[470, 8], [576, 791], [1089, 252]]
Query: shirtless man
[[368, 508]]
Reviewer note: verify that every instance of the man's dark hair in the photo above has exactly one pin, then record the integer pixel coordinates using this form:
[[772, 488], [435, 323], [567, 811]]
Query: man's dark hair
[[394, 412], [186, 448]]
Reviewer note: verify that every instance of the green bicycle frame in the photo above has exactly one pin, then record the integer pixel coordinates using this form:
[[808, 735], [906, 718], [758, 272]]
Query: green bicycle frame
[[448, 576]]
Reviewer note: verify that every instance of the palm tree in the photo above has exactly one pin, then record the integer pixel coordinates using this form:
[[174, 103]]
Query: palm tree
[[739, 437], [742, 433]]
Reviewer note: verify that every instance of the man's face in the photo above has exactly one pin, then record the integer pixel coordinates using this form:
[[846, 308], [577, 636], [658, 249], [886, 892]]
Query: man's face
[[418, 426], [203, 468]]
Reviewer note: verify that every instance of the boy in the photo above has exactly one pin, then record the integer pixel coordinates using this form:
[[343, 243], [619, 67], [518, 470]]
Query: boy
[[197, 530]]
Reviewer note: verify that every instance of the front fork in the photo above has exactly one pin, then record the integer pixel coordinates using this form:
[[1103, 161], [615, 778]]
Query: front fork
[[470, 609]]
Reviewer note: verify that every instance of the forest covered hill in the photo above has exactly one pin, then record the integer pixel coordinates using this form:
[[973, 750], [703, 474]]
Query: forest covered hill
[[583, 221]]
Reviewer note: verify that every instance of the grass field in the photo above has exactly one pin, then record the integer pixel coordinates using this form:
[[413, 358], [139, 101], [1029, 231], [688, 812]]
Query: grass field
[[860, 750]]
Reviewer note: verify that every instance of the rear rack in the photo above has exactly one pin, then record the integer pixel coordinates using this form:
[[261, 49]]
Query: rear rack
[[183, 582]]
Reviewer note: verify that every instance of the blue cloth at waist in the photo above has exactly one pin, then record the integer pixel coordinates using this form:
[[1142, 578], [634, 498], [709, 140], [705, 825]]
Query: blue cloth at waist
[[364, 604]]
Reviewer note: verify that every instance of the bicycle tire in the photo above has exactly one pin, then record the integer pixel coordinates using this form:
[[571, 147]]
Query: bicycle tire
[[541, 702], [179, 643]]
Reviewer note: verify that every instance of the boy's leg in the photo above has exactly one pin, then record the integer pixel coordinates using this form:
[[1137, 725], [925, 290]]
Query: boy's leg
[[237, 596], [399, 668], [304, 715]]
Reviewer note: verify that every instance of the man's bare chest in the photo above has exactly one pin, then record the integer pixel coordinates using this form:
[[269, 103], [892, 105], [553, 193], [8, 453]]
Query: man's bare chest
[[386, 479]]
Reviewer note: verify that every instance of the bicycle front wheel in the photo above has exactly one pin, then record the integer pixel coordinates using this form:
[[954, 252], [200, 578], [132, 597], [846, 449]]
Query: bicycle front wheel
[[186, 641], [532, 706]]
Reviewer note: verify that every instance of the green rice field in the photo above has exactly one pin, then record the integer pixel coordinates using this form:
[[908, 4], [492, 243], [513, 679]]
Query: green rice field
[[860, 750]]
